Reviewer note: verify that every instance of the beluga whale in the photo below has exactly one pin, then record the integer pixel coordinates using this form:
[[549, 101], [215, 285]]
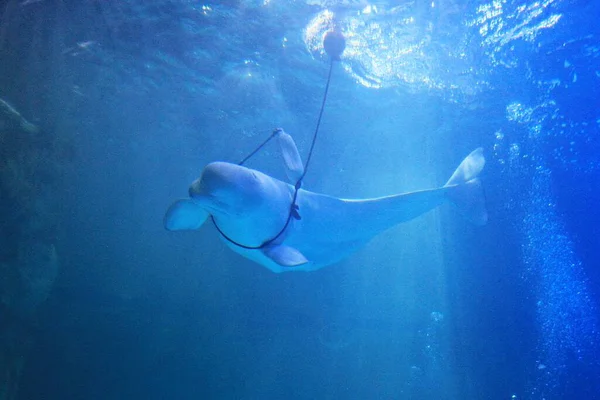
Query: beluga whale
[[286, 228]]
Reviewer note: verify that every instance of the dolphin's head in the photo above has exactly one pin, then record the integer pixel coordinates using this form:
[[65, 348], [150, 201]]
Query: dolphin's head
[[226, 188]]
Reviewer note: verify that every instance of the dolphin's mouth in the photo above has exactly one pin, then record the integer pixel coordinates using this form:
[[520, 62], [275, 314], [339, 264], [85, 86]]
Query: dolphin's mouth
[[213, 205]]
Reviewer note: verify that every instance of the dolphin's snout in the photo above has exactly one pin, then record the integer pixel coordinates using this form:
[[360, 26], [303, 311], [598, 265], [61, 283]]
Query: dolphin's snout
[[194, 190]]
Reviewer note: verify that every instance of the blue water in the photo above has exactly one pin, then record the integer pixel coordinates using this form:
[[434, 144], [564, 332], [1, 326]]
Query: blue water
[[148, 92]]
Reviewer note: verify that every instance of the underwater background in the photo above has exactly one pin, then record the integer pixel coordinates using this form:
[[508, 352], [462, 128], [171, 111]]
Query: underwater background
[[110, 109]]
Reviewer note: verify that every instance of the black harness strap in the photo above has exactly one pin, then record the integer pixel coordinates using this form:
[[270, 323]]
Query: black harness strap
[[294, 209]]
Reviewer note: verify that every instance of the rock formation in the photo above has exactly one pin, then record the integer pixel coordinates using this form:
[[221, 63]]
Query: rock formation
[[29, 170]]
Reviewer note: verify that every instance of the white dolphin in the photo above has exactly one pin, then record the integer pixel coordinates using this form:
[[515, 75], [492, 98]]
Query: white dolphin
[[250, 209]]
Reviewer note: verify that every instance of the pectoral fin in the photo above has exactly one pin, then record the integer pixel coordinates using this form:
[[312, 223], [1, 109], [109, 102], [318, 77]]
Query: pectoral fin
[[285, 256], [184, 214], [291, 157]]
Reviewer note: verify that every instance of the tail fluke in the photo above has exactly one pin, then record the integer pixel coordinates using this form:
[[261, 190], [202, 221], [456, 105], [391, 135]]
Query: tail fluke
[[465, 189]]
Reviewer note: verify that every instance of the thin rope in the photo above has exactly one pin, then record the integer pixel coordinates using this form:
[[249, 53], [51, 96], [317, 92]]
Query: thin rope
[[293, 212], [275, 131], [314, 140]]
